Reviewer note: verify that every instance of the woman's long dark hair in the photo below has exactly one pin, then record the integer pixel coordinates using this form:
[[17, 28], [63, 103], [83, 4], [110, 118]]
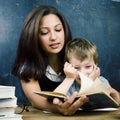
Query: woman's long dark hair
[[30, 60]]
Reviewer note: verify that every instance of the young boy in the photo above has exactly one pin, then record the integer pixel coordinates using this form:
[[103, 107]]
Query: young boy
[[83, 56]]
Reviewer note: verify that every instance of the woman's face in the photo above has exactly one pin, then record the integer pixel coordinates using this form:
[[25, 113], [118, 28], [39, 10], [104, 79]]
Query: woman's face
[[51, 34]]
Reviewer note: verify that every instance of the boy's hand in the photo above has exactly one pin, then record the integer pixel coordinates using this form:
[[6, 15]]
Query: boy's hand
[[69, 70], [95, 73]]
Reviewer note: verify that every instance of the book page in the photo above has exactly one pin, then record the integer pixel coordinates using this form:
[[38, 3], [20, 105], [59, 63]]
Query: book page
[[86, 83], [97, 87]]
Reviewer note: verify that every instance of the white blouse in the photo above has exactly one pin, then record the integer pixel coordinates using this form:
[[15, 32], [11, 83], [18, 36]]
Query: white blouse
[[52, 75]]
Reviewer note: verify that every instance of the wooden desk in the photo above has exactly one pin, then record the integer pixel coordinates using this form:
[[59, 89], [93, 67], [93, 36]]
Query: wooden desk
[[35, 114]]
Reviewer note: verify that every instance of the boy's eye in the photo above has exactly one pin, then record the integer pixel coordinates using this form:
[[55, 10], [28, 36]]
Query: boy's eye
[[77, 68], [89, 66]]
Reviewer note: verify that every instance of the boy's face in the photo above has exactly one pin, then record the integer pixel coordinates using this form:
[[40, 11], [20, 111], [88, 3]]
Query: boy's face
[[86, 66]]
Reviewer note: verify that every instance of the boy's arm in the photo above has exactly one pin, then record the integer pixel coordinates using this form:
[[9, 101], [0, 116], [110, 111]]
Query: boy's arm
[[70, 73], [64, 86]]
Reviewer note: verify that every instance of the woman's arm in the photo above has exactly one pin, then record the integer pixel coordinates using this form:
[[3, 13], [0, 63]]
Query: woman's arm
[[36, 100], [68, 107]]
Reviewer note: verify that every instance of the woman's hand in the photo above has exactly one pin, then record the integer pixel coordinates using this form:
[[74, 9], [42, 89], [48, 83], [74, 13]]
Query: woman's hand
[[70, 106], [115, 94]]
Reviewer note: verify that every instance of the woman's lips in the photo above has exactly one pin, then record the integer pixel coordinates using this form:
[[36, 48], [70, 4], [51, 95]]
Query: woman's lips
[[54, 45]]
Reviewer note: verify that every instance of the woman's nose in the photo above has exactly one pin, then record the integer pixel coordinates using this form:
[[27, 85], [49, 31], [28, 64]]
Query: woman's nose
[[53, 35]]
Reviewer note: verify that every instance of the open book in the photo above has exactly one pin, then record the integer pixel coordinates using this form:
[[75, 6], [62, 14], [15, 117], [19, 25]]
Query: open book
[[96, 91]]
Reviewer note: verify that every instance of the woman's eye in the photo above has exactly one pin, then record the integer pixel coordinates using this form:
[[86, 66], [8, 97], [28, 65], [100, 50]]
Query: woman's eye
[[58, 30], [43, 33]]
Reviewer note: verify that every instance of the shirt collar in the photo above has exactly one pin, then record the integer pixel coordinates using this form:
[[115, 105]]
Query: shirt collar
[[52, 75]]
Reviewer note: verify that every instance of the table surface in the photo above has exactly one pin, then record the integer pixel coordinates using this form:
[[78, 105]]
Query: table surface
[[35, 114]]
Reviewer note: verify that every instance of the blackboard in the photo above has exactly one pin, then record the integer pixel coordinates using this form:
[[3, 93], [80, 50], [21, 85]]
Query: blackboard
[[95, 20]]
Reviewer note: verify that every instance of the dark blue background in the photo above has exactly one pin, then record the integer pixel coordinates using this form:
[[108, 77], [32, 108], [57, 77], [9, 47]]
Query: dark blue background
[[96, 20]]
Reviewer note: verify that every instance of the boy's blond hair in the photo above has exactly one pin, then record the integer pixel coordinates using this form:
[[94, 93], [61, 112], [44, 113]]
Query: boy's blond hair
[[81, 49]]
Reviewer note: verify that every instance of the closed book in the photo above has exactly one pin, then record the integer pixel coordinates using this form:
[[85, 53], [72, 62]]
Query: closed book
[[8, 102], [7, 91], [11, 117], [7, 110]]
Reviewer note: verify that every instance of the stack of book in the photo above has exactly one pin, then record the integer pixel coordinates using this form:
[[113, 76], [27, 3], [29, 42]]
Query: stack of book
[[8, 103]]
